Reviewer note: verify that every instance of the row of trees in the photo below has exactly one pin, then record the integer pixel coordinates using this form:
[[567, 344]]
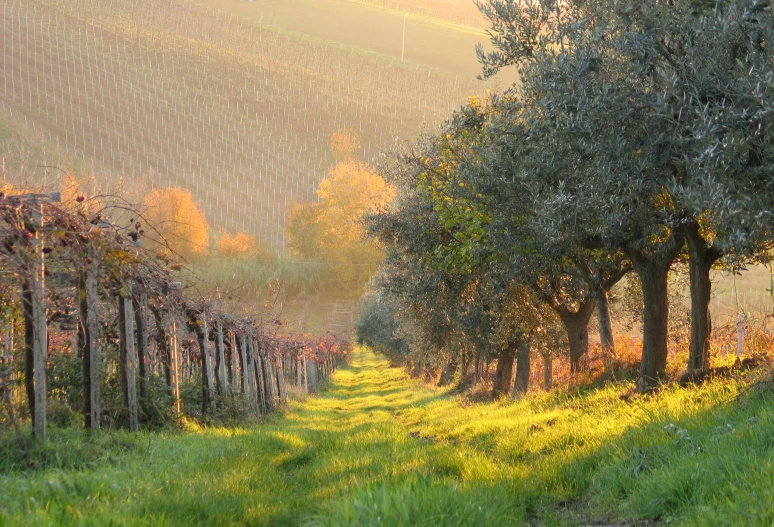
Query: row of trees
[[640, 134]]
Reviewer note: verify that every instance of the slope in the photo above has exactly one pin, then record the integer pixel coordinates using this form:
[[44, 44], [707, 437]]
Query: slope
[[175, 93]]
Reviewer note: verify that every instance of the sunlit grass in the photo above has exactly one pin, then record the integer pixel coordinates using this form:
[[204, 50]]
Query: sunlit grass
[[379, 449]]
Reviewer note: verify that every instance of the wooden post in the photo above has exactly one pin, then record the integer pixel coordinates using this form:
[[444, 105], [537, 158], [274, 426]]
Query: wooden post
[[247, 371], [301, 373], [271, 378], [281, 388], [7, 358], [207, 380], [258, 376], [89, 302], [39, 330], [187, 368], [128, 359], [142, 347], [311, 375], [221, 361], [548, 371], [174, 359], [234, 379], [163, 345]]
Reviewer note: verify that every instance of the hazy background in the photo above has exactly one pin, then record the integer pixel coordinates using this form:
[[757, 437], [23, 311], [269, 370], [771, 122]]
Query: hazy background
[[235, 101]]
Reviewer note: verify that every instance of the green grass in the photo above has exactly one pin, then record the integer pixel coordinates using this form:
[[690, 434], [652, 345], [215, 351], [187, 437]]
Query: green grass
[[378, 449]]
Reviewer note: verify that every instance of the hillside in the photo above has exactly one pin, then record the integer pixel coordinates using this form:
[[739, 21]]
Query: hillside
[[238, 111]]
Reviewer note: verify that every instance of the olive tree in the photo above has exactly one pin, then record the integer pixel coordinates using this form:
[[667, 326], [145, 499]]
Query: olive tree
[[648, 128]]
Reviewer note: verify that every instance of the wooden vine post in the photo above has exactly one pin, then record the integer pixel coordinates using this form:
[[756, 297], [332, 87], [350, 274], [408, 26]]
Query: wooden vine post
[[234, 379], [208, 389], [128, 357], [39, 340], [257, 377], [312, 374], [278, 373], [138, 305], [89, 301], [221, 360], [248, 377], [269, 378], [7, 357], [301, 372], [6, 386], [174, 360]]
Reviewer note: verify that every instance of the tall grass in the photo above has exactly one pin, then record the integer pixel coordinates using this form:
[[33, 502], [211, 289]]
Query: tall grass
[[379, 449]]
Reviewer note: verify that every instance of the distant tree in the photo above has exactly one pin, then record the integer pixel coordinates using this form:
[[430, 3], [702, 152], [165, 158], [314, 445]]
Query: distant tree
[[241, 244], [329, 231], [345, 145], [304, 230], [176, 221]]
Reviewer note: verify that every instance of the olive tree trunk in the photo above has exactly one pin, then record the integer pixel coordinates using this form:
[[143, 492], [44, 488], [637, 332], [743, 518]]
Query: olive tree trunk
[[605, 322], [701, 259], [576, 325], [447, 374], [653, 270], [548, 371], [521, 384], [504, 373]]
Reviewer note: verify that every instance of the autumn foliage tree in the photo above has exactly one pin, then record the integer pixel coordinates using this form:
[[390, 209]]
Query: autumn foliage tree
[[176, 222], [329, 231], [240, 244]]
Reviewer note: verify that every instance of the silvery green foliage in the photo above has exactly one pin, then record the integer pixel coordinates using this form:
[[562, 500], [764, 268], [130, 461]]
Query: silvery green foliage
[[644, 116], [632, 122]]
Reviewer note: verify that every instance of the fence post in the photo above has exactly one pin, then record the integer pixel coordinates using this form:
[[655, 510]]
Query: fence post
[[138, 306], [262, 389], [311, 375], [91, 354], [207, 381], [128, 358], [7, 358], [245, 368], [221, 360], [234, 380], [271, 379], [301, 373], [39, 330], [740, 335], [174, 358], [280, 375]]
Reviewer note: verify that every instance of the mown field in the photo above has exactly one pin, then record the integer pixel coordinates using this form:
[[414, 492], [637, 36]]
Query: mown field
[[378, 449]]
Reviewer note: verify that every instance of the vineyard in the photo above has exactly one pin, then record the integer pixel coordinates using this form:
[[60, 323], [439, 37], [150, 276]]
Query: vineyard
[[99, 316], [174, 94], [462, 12]]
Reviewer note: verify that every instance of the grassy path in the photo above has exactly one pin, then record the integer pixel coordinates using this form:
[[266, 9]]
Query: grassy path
[[291, 470], [378, 449]]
